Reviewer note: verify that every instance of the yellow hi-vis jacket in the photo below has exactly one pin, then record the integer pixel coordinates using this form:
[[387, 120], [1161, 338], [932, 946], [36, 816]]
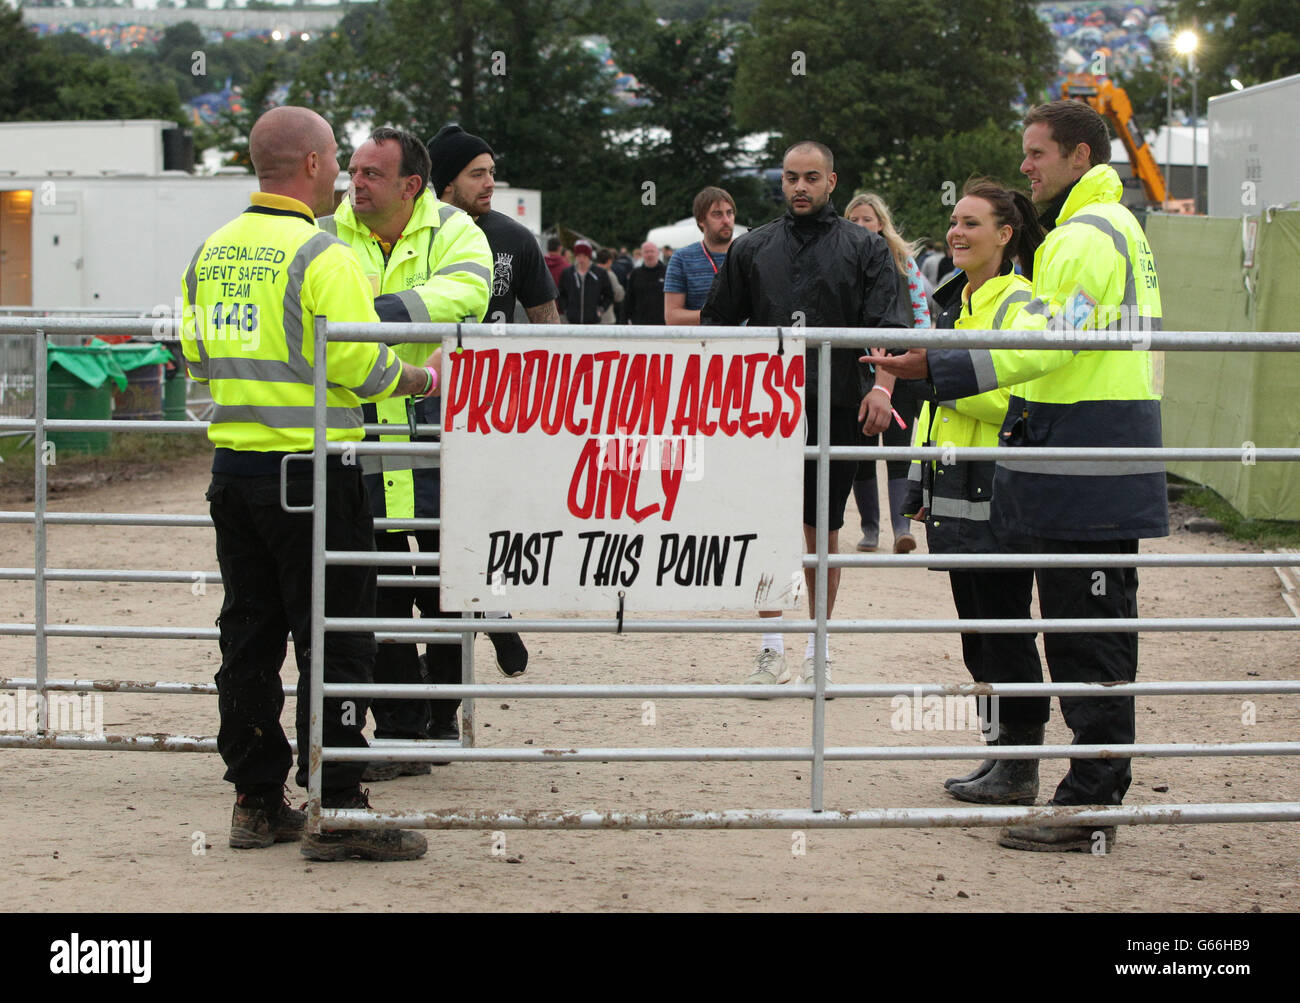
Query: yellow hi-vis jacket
[[440, 270], [251, 294], [956, 496], [1094, 272]]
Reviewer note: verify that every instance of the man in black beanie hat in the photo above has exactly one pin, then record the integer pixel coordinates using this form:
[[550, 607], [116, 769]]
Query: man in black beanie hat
[[463, 175]]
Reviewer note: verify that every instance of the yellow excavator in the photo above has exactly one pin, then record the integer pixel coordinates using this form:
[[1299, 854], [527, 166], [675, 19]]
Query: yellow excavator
[[1112, 103]]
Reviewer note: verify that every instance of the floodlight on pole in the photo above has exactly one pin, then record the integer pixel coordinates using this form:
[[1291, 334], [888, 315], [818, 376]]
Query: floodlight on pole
[[1185, 44]]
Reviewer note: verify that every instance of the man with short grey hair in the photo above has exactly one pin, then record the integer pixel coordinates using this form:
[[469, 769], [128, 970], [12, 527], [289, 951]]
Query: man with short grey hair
[[645, 288]]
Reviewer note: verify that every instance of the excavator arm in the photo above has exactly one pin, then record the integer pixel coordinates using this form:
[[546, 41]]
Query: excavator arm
[[1113, 104]]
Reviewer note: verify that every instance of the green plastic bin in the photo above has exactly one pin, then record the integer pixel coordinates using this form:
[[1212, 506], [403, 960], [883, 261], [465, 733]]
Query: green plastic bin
[[72, 396], [176, 383], [174, 398], [143, 397]]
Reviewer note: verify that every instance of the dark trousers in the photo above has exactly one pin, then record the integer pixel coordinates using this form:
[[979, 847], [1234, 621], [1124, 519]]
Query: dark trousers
[[1001, 658], [400, 663], [1101, 593], [265, 558]]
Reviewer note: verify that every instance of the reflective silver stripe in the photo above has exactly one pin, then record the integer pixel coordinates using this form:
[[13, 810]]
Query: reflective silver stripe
[[1121, 245], [192, 291], [240, 367], [390, 463], [192, 276], [381, 376], [986, 374], [467, 266], [959, 508], [1019, 296], [950, 405], [445, 213], [286, 416], [308, 253], [1040, 307], [329, 224], [1084, 468], [415, 307], [914, 471]]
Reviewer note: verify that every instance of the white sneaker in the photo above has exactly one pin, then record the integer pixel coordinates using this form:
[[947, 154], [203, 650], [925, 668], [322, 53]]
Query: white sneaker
[[810, 673], [768, 669]]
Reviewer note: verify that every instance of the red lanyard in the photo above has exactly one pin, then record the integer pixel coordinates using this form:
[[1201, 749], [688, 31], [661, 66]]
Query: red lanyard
[[709, 256]]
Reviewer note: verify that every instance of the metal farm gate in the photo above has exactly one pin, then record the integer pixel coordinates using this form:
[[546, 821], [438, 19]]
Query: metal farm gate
[[815, 752]]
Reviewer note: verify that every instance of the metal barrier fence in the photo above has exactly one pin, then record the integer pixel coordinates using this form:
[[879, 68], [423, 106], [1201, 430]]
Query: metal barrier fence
[[36, 332], [816, 752], [17, 383]]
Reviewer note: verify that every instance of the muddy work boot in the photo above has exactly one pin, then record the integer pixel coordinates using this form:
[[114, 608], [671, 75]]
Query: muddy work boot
[[979, 770], [363, 844], [1011, 781], [260, 821], [1059, 838], [378, 772]]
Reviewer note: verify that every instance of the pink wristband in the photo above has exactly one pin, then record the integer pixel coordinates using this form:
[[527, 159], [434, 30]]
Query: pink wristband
[[429, 387], [882, 390]]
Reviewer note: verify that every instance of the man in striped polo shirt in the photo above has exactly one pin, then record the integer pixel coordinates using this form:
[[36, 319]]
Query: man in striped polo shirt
[[691, 270]]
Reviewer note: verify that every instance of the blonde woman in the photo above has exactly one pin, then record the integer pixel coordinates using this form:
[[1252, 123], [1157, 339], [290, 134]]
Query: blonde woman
[[869, 210]]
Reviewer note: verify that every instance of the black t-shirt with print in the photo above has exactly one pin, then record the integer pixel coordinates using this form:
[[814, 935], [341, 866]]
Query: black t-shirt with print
[[518, 271]]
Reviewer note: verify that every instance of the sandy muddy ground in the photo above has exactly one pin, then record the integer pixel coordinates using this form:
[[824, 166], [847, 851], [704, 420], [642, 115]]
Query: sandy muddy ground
[[117, 831]]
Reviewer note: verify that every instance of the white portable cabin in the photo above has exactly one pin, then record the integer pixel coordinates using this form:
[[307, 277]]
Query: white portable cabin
[[89, 217], [523, 205], [1254, 148]]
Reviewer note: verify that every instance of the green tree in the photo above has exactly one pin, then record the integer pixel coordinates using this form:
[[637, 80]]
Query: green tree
[[66, 77], [104, 89], [174, 56], [231, 132], [922, 188], [691, 10], [1146, 89], [516, 73], [680, 134], [16, 44], [1252, 40], [873, 88]]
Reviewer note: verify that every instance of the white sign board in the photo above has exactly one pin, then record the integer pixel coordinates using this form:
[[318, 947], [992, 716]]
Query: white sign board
[[573, 471]]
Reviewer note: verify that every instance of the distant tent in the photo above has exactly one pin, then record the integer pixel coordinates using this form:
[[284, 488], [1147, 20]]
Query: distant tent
[[683, 232]]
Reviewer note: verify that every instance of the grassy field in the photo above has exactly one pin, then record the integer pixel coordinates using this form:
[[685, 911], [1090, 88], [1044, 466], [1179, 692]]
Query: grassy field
[[1261, 533], [129, 455]]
